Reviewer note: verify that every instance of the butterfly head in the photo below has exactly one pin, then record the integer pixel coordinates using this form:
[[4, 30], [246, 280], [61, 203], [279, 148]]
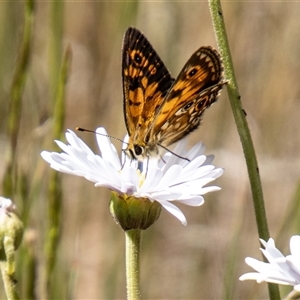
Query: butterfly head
[[141, 151]]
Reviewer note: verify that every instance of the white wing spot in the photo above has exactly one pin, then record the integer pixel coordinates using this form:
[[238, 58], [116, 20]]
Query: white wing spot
[[165, 126]]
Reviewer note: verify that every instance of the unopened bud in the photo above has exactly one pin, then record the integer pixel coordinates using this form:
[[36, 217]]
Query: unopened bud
[[134, 213], [10, 224]]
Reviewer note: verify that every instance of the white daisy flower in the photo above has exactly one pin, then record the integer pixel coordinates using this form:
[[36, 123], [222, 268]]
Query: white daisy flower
[[165, 181], [280, 269]]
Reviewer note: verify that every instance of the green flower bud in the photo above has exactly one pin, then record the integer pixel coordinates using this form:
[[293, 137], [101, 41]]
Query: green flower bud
[[10, 224], [133, 213], [11, 233]]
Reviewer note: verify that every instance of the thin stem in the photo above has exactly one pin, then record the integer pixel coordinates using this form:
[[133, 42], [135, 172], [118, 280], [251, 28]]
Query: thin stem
[[9, 282], [55, 188], [133, 241], [293, 295], [11, 235], [15, 101], [242, 127]]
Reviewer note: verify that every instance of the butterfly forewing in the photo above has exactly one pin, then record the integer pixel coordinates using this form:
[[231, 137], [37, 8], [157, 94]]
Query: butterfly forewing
[[146, 81]]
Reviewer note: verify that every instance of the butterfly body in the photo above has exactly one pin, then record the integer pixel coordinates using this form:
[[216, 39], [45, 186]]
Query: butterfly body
[[159, 110]]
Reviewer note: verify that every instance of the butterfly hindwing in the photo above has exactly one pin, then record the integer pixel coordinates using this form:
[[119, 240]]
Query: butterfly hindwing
[[195, 89], [187, 118]]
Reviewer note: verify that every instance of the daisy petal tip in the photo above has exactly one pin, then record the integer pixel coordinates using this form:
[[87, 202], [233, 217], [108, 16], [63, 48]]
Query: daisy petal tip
[[101, 130], [182, 219], [46, 155], [242, 278], [250, 276]]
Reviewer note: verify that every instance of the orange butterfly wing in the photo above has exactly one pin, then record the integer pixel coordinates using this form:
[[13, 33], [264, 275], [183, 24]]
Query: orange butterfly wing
[[195, 89], [146, 81]]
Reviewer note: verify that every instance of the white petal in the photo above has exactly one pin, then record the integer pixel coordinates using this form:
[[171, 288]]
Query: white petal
[[170, 177], [295, 245], [164, 195], [54, 160], [271, 253], [174, 210], [205, 172], [76, 142], [152, 180], [179, 150], [46, 155], [108, 151], [292, 267], [209, 189], [197, 162], [197, 150], [257, 265], [129, 180], [270, 242], [195, 201], [251, 276], [260, 278], [80, 161]]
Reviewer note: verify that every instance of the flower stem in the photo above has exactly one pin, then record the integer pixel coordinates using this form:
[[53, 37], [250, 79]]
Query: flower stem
[[15, 102], [55, 186], [7, 265], [133, 241], [242, 127], [293, 295], [9, 282]]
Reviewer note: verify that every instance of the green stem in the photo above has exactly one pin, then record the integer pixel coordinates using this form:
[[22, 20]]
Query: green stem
[[20, 75], [55, 187], [133, 241], [11, 236], [9, 282], [15, 101], [242, 127], [293, 295], [56, 48]]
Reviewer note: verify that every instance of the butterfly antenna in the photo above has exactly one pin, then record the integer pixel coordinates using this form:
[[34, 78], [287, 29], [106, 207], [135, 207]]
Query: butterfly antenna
[[179, 156], [94, 132]]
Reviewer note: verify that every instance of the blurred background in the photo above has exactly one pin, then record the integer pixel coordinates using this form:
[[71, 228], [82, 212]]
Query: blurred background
[[204, 259]]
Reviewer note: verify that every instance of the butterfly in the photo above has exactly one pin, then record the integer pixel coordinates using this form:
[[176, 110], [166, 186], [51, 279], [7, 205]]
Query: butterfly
[[158, 109]]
